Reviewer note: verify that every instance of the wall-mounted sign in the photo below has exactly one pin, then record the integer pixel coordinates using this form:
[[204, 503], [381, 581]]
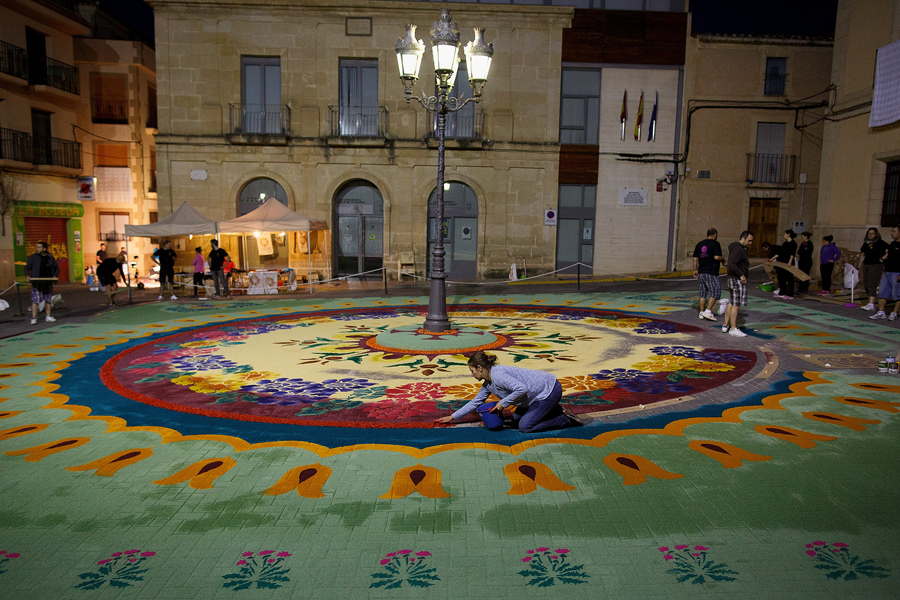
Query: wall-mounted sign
[[198, 174], [550, 216], [633, 197], [85, 187], [702, 174]]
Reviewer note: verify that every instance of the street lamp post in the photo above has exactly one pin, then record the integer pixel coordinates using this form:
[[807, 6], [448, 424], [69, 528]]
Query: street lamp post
[[445, 52]]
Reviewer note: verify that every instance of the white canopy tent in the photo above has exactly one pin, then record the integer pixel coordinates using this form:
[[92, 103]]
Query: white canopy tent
[[184, 221], [273, 216]]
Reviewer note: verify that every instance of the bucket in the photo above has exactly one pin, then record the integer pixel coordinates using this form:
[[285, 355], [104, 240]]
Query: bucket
[[767, 287], [492, 421]]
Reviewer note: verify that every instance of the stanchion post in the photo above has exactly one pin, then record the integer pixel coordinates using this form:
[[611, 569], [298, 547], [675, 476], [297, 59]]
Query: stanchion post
[[579, 276], [19, 297], [384, 279]]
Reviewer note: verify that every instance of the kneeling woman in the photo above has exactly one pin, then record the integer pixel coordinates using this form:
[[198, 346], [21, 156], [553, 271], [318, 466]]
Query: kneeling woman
[[534, 392]]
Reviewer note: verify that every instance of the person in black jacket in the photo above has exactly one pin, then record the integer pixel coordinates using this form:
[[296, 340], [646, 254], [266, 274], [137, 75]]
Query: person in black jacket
[[106, 275], [165, 258], [805, 259], [873, 250], [41, 265], [785, 255], [737, 269]]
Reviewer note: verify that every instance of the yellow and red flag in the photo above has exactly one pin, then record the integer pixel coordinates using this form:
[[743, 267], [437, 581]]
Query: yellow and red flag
[[640, 119]]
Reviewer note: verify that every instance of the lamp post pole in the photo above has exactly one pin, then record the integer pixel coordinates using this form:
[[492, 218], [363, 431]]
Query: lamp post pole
[[445, 46]]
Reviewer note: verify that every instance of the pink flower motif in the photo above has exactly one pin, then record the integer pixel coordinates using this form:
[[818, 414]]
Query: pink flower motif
[[668, 557], [13, 555], [148, 553], [132, 560], [681, 546], [284, 554], [819, 543], [554, 557], [526, 559], [541, 549], [132, 551], [811, 552], [393, 408], [701, 548], [420, 390], [695, 554], [242, 562], [266, 552], [809, 545], [116, 554], [663, 548], [840, 545], [271, 560], [405, 552], [391, 554], [385, 561], [2, 552], [562, 550], [104, 561], [423, 553], [246, 554], [530, 552]]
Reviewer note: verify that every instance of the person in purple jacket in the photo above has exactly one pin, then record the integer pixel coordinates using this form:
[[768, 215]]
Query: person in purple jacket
[[828, 255], [535, 394]]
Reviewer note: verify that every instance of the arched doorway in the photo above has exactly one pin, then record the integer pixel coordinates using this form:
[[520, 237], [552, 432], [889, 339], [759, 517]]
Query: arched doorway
[[359, 231], [460, 229], [257, 191]]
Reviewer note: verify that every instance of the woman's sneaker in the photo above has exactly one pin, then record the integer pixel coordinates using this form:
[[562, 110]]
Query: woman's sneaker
[[707, 314], [879, 315], [868, 306], [724, 328], [892, 317], [737, 333]]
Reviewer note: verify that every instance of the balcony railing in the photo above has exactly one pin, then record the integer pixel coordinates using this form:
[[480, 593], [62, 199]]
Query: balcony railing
[[13, 60], [771, 168], [259, 119], [357, 121], [775, 85], [56, 152], [109, 110], [58, 75], [15, 145], [463, 125]]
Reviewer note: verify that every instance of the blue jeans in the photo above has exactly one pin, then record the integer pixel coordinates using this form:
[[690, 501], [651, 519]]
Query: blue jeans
[[544, 414], [220, 277]]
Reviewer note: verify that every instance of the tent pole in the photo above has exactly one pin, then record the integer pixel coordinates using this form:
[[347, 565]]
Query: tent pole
[[309, 254]]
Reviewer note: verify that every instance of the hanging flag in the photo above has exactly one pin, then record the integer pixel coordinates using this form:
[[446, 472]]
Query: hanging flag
[[623, 116], [640, 119], [651, 134]]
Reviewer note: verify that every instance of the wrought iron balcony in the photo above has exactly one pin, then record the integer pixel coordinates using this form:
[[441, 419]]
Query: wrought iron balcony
[[15, 145], [259, 119], [57, 75], [771, 168], [109, 110], [13, 60], [56, 152], [357, 121], [463, 125]]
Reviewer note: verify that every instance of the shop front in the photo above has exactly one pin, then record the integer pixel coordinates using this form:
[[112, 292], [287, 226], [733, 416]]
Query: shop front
[[56, 223]]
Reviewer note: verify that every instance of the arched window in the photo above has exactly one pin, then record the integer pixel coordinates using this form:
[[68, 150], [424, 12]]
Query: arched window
[[257, 191]]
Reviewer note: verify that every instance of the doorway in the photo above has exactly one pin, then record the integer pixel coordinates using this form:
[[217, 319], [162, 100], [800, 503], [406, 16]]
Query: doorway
[[359, 243], [763, 222], [460, 230]]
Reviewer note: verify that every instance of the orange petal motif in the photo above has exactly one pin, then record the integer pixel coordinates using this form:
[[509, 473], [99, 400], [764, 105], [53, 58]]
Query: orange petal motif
[[9, 413], [200, 475], [525, 477], [6, 434], [36, 453], [842, 420], [108, 465], [884, 405], [422, 479], [635, 469], [730, 456], [804, 439], [307, 480]]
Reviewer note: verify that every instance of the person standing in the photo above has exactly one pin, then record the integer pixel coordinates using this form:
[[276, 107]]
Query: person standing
[[165, 258], [828, 255], [535, 394], [737, 269], [707, 256], [101, 254], [785, 255], [106, 275], [873, 250], [41, 266], [889, 287], [217, 259], [805, 259], [199, 270]]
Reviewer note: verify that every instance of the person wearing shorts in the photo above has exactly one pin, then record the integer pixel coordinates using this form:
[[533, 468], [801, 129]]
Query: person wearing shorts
[[737, 271], [165, 258], [106, 275], [889, 286], [707, 256], [41, 265]]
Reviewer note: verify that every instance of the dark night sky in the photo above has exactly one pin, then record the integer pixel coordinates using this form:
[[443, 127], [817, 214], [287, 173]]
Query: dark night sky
[[813, 18], [134, 13]]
